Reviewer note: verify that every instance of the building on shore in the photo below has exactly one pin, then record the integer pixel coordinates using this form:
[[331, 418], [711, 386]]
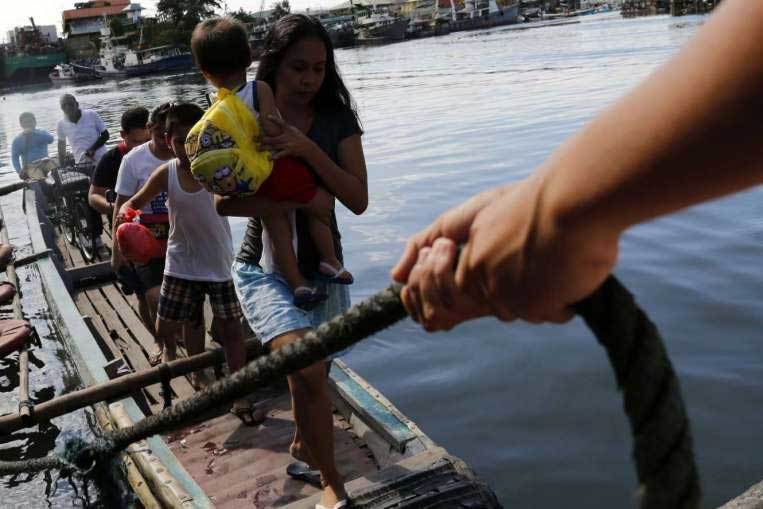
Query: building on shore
[[48, 33], [82, 25], [675, 7]]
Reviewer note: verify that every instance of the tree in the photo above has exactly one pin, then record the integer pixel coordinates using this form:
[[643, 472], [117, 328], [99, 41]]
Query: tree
[[280, 9], [185, 14], [244, 16], [116, 27]]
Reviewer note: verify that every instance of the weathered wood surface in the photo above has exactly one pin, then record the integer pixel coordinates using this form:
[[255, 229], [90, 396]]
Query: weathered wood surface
[[750, 499], [241, 466]]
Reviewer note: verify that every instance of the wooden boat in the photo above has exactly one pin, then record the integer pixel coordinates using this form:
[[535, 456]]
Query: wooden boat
[[216, 461]]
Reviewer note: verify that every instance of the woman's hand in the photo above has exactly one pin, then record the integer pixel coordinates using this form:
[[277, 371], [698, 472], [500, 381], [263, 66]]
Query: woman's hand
[[519, 260], [291, 141]]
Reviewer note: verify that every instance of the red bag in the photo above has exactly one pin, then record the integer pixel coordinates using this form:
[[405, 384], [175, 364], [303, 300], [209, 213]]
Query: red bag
[[136, 242], [290, 180]]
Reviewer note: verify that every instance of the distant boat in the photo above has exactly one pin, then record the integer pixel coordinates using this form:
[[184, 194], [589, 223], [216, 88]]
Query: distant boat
[[120, 61], [70, 73], [483, 14], [381, 27]]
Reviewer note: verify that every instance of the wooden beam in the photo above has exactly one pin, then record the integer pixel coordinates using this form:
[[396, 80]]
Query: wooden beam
[[114, 389]]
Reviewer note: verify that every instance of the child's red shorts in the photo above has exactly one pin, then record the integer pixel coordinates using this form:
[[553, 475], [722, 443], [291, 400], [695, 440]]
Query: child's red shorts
[[290, 180]]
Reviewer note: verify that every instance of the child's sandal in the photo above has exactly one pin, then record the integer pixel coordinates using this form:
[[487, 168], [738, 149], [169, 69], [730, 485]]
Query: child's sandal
[[340, 276], [307, 297]]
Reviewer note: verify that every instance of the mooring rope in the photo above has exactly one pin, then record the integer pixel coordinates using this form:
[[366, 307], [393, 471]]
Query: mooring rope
[[662, 440]]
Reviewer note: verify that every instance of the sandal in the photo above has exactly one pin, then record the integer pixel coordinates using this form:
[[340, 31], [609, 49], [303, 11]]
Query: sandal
[[340, 276], [155, 358], [249, 416], [339, 505], [301, 471], [307, 297]]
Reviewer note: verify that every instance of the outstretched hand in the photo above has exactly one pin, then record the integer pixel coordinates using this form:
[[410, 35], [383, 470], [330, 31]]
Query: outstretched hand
[[517, 261], [290, 142]]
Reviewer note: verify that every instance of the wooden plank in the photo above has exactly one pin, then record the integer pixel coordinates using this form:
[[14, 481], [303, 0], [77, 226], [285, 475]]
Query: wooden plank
[[87, 275], [134, 477], [134, 327], [64, 250], [164, 486], [368, 407], [123, 341]]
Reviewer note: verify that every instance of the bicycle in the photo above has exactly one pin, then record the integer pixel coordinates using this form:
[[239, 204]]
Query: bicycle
[[71, 184]]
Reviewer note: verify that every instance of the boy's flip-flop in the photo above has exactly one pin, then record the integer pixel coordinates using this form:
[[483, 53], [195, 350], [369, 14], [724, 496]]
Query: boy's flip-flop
[[248, 415], [307, 297], [338, 276], [301, 471], [155, 358]]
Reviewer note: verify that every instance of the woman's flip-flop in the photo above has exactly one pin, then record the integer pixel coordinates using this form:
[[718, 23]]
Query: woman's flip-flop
[[338, 276], [301, 471], [307, 297]]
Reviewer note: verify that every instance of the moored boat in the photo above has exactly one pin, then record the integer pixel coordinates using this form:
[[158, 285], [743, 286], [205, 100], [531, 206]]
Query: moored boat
[[68, 73], [216, 461], [381, 27]]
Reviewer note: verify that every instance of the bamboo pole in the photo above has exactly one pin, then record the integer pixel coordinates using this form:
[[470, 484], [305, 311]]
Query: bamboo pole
[[114, 389], [25, 409]]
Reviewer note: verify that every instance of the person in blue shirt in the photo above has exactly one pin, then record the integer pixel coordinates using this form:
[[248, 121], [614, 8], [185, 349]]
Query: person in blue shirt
[[29, 146]]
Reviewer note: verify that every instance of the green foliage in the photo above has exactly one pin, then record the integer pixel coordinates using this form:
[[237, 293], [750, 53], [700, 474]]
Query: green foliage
[[116, 27], [280, 9], [185, 14], [243, 16]]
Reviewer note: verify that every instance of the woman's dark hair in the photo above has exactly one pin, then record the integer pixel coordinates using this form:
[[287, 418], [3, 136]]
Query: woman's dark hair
[[221, 46], [134, 118], [182, 115], [333, 94]]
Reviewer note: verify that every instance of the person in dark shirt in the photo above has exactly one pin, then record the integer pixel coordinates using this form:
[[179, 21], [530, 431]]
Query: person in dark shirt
[[320, 126], [134, 132], [101, 195]]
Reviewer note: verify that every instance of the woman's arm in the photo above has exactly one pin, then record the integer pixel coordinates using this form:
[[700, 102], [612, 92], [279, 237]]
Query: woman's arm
[[347, 181]]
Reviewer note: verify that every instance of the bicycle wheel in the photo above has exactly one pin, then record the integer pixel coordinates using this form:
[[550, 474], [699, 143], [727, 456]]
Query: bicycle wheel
[[67, 222], [85, 237]]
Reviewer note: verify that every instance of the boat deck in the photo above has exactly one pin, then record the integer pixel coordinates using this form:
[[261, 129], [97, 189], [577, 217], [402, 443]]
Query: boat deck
[[217, 461], [231, 462]]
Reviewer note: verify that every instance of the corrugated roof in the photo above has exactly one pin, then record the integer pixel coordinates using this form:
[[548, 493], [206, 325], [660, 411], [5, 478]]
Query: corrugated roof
[[115, 7]]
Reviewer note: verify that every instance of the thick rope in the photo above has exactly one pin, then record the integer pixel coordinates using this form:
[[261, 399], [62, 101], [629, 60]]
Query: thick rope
[[662, 442], [662, 445]]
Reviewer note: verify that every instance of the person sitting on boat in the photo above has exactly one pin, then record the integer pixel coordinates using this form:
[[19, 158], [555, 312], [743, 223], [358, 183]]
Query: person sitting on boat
[[87, 134], [134, 171], [199, 254], [225, 159], [31, 146], [320, 126], [101, 196]]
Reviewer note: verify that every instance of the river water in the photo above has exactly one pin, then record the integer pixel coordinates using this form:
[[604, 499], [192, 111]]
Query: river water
[[533, 409]]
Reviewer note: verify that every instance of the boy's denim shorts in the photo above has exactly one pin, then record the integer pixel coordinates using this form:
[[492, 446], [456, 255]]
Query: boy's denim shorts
[[267, 302]]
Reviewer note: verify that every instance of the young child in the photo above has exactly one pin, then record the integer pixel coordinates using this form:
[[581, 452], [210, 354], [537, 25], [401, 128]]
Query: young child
[[199, 253], [225, 159]]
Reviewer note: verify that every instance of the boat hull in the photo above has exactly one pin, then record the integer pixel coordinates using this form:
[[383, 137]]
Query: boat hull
[[391, 32], [180, 62], [505, 16]]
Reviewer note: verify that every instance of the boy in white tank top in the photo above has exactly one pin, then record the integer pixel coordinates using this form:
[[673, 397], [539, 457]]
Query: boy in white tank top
[[199, 255]]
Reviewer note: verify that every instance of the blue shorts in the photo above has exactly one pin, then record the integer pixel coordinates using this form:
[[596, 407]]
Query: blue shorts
[[267, 302]]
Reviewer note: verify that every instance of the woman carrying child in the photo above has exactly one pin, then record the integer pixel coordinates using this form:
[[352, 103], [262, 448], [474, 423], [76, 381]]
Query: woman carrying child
[[318, 125], [199, 254]]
